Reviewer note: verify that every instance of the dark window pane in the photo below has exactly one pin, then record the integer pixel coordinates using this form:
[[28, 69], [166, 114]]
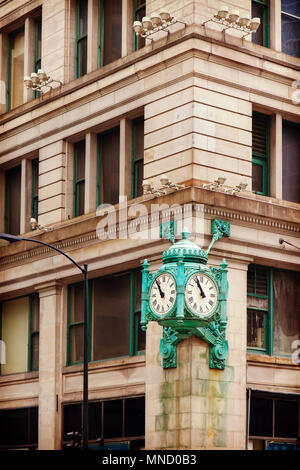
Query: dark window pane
[[290, 30], [72, 419], [251, 280], [135, 417], [83, 18], [14, 428], [79, 150], [77, 303], [139, 13], [261, 281], [291, 6], [138, 289], [286, 418], [260, 128], [109, 172], [13, 200], [112, 30], [82, 57], [77, 343], [33, 425], [35, 351], [138, 154], [261, 417], [286, 311], [141, 335], [258, 12], [38, 43], [35, 313], [257, 178], [95, 420], [113, 419], [291, 162], [255, 329], [111, 317]]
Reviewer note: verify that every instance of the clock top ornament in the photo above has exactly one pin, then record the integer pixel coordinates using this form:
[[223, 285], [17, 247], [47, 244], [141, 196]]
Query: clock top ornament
[[186, 297]]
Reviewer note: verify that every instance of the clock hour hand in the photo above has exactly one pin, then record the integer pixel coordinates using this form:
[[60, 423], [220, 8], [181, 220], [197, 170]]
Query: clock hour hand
[[159, 288], [201, 290]]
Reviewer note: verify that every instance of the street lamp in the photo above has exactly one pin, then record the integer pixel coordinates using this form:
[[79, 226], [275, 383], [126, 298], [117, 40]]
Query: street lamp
[[84, 270]]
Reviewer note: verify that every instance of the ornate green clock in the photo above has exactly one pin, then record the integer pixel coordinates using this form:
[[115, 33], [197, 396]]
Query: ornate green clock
[[187, 298]]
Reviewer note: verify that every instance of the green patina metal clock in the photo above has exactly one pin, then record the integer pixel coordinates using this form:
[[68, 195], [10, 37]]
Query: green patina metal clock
[[187, 298]]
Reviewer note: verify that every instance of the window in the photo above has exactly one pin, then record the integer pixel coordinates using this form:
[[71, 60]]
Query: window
[[114, 320], [290, 161], [137, 157], [81, 37], [260, 153], [13, 200], [139, 11], [121, 420], [79, 178], [290, 27], [19, 428], [20, 333], [15, 69], [273, 323], [37, 47], [108, 162], [260, 9], [274, 417], [35, 188], [110, 31]]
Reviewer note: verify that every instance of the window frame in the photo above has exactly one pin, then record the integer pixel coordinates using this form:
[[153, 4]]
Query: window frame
[[105, 441], [76, 181], [6, 207], [29, 417], [99, 181], [8, 72], [31, 332], [78, 40], [263, 160], [34, 196], [136, 10], [37, 60], [133, 339], [297, 126], [266, 20], [290, 15], [135, 160], [268, 315]]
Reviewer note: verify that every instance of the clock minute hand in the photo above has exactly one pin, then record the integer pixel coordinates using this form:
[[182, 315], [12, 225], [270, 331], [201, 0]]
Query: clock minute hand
[[160, 291], [200, 287]]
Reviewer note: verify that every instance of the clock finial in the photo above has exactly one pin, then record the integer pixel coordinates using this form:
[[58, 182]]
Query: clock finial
[[185, 233]]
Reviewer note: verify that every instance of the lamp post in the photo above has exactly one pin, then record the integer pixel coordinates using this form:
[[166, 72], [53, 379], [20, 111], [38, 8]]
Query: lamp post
[[84, 270]]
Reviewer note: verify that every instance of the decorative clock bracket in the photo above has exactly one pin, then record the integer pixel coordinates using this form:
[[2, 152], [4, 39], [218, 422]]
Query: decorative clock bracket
[[219, 229]]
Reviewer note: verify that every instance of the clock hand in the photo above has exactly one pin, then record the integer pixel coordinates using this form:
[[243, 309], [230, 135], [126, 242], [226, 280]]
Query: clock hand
[[201, 290], [160, 291]]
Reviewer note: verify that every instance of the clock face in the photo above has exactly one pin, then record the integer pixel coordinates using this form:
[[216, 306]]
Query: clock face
[[201, 294], [163, 294]]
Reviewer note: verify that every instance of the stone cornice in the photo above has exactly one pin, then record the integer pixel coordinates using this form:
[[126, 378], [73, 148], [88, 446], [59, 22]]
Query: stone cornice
[[81, 232]]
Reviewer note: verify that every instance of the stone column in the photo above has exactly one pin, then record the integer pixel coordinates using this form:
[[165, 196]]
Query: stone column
[[193, 406], [49, 362]]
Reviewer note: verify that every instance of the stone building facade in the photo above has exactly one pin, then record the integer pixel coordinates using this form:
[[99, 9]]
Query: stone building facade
[[196, 104]]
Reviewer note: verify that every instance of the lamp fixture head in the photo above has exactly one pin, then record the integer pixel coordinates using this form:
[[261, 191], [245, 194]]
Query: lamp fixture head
[[233, 16], [35, 78], [223, 12], [220, 181], [147, 23], [33, 223], [244, 20], [165, 15], [42, 75], [164, 180], [28, 82], [254, 24], [156, 19], [146, 187], [138, 27]]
